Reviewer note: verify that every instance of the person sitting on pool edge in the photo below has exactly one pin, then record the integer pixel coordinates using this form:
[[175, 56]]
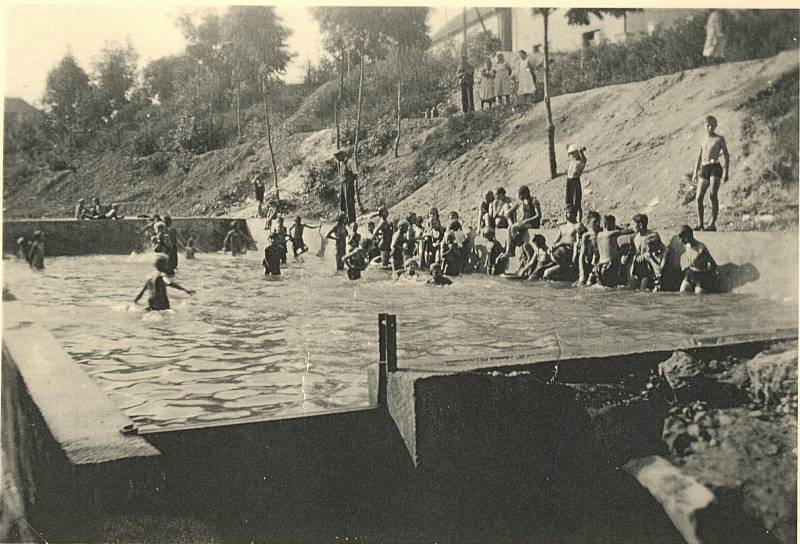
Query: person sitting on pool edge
[[273, 256], [357, 260], [437, 277], [701, 274], [645, 268], [156, 285], [496, 259]]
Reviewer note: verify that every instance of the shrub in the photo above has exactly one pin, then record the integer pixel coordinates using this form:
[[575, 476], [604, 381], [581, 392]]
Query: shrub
[[455, 138]]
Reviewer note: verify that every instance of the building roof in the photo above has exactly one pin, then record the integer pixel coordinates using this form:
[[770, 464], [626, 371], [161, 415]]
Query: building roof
[[456, 24], [18, 106]]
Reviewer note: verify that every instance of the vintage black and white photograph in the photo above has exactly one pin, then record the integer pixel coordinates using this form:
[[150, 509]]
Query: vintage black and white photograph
[[381, 273]]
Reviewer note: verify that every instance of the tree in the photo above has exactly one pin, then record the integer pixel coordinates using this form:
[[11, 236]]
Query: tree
[[256, 40], [66, 92], [115, 74], [407, 28], [161, 76], [575, 16]]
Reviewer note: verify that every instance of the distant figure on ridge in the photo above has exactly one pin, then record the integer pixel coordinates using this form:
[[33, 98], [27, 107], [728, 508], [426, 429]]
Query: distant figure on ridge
[[708, 171], [466, 80], [716, 41]]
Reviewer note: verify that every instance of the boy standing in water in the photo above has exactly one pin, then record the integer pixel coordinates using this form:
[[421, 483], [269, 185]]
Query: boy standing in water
[[588, 255], [648, 248], [234, 240], [701, 275], [36, 251], [356, 261], [273, 254], [354, 242], [382, 236], [562, 252], [577, 163], [283, 235], [339, 234], [710, 171], [608, 262], [296, 235], [172, 250], [156, 286], [189, 249]]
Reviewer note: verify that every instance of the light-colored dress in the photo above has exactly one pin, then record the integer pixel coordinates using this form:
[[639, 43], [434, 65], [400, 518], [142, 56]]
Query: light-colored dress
[[487, 84], [524, 77], [715, 36], [502, 81]]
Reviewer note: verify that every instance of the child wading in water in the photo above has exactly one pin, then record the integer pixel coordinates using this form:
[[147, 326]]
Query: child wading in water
[[438, 278], [339, 234], [234, 240], [577, 162], [701, 275], [357, 260], [710, 172], [36, 251], [156, 287], [607, 269], [273, 255], [296, 236]]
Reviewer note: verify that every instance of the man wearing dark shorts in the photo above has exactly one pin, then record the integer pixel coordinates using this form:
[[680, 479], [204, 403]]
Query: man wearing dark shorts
[[577, 162], [710, 171]]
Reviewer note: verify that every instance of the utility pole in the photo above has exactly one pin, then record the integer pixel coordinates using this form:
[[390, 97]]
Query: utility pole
[[464, 20]]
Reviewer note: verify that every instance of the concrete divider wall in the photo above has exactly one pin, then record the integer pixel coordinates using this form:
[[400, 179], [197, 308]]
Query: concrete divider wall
[[112, 236]]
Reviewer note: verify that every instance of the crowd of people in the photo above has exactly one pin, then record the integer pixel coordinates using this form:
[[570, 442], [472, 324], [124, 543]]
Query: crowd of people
[[500, 81], [97, 210]]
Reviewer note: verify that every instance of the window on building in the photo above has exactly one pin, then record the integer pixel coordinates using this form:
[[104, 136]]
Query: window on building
[[588, 38]]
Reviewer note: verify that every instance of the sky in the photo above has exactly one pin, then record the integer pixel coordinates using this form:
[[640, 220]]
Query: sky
[[37, 36]]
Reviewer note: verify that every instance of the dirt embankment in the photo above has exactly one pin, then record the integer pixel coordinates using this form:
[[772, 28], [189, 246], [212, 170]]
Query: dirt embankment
[[642, 141]]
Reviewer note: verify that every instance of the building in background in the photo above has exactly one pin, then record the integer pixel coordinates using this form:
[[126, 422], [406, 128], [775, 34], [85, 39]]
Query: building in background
[[519, 28]]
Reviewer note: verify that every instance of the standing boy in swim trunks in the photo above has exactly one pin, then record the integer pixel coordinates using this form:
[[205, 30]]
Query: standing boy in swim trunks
[[608, 262], [273, 255], [234, 240], [708, 171], [339, 234], [587, 253], [701, 275], [296, 235], [356, 261], [648, 251], [156, 285], [577, 163], [562, 252]]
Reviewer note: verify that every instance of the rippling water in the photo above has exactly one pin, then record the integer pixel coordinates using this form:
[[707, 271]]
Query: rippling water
[[244, 346]]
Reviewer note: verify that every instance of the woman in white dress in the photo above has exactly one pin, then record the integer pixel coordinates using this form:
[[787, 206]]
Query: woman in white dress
[[487, 84], [502, 81], [526, 81]]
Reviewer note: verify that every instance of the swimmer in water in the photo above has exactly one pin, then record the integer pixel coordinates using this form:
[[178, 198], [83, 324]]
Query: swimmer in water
[[495, 263], [189, 249], [438, 278], [273, 254], [410, 270], [156, 287], [36, 251], [701, 275], [648, 251], [709, 171], [357, 260], [296, 236], [354, 242], [451, 256], [22, 248]]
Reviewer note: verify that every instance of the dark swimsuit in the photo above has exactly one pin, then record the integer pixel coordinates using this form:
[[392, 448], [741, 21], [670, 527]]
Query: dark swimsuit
[[158, 300], [707, 171]]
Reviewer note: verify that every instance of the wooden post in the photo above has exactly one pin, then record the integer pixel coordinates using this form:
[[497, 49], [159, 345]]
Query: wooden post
[[391, 343], [382, 375]]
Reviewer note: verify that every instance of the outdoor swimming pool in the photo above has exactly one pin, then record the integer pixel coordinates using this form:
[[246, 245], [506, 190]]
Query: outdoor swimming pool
[[245, 347]]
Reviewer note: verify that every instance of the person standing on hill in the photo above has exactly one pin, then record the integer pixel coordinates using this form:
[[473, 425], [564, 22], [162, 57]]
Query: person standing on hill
[[347, 195], [80, 209], [708, 171], [716, 41], [577, 163], [466, 79], [259, 188], [526, 78], [502, 81], [487, 85]]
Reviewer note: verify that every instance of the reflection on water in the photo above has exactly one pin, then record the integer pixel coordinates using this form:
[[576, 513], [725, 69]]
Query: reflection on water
[[244, 346]]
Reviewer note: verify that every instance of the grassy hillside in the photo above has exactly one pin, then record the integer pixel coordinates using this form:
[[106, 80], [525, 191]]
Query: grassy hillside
[[642, 140]]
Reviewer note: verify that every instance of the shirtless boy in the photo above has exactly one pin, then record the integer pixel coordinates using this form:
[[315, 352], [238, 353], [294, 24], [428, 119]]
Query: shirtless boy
[[562, 252], [356, 261], [296, 236], [273, 256], [438, 278], [708, 171], [587, 253], [234, 240], [648, 248], [608, 261], [577, 163], [701, 274], [156, 285]]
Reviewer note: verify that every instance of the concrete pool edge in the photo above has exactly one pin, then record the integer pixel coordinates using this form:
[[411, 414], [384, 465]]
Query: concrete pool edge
[[62, 443]]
